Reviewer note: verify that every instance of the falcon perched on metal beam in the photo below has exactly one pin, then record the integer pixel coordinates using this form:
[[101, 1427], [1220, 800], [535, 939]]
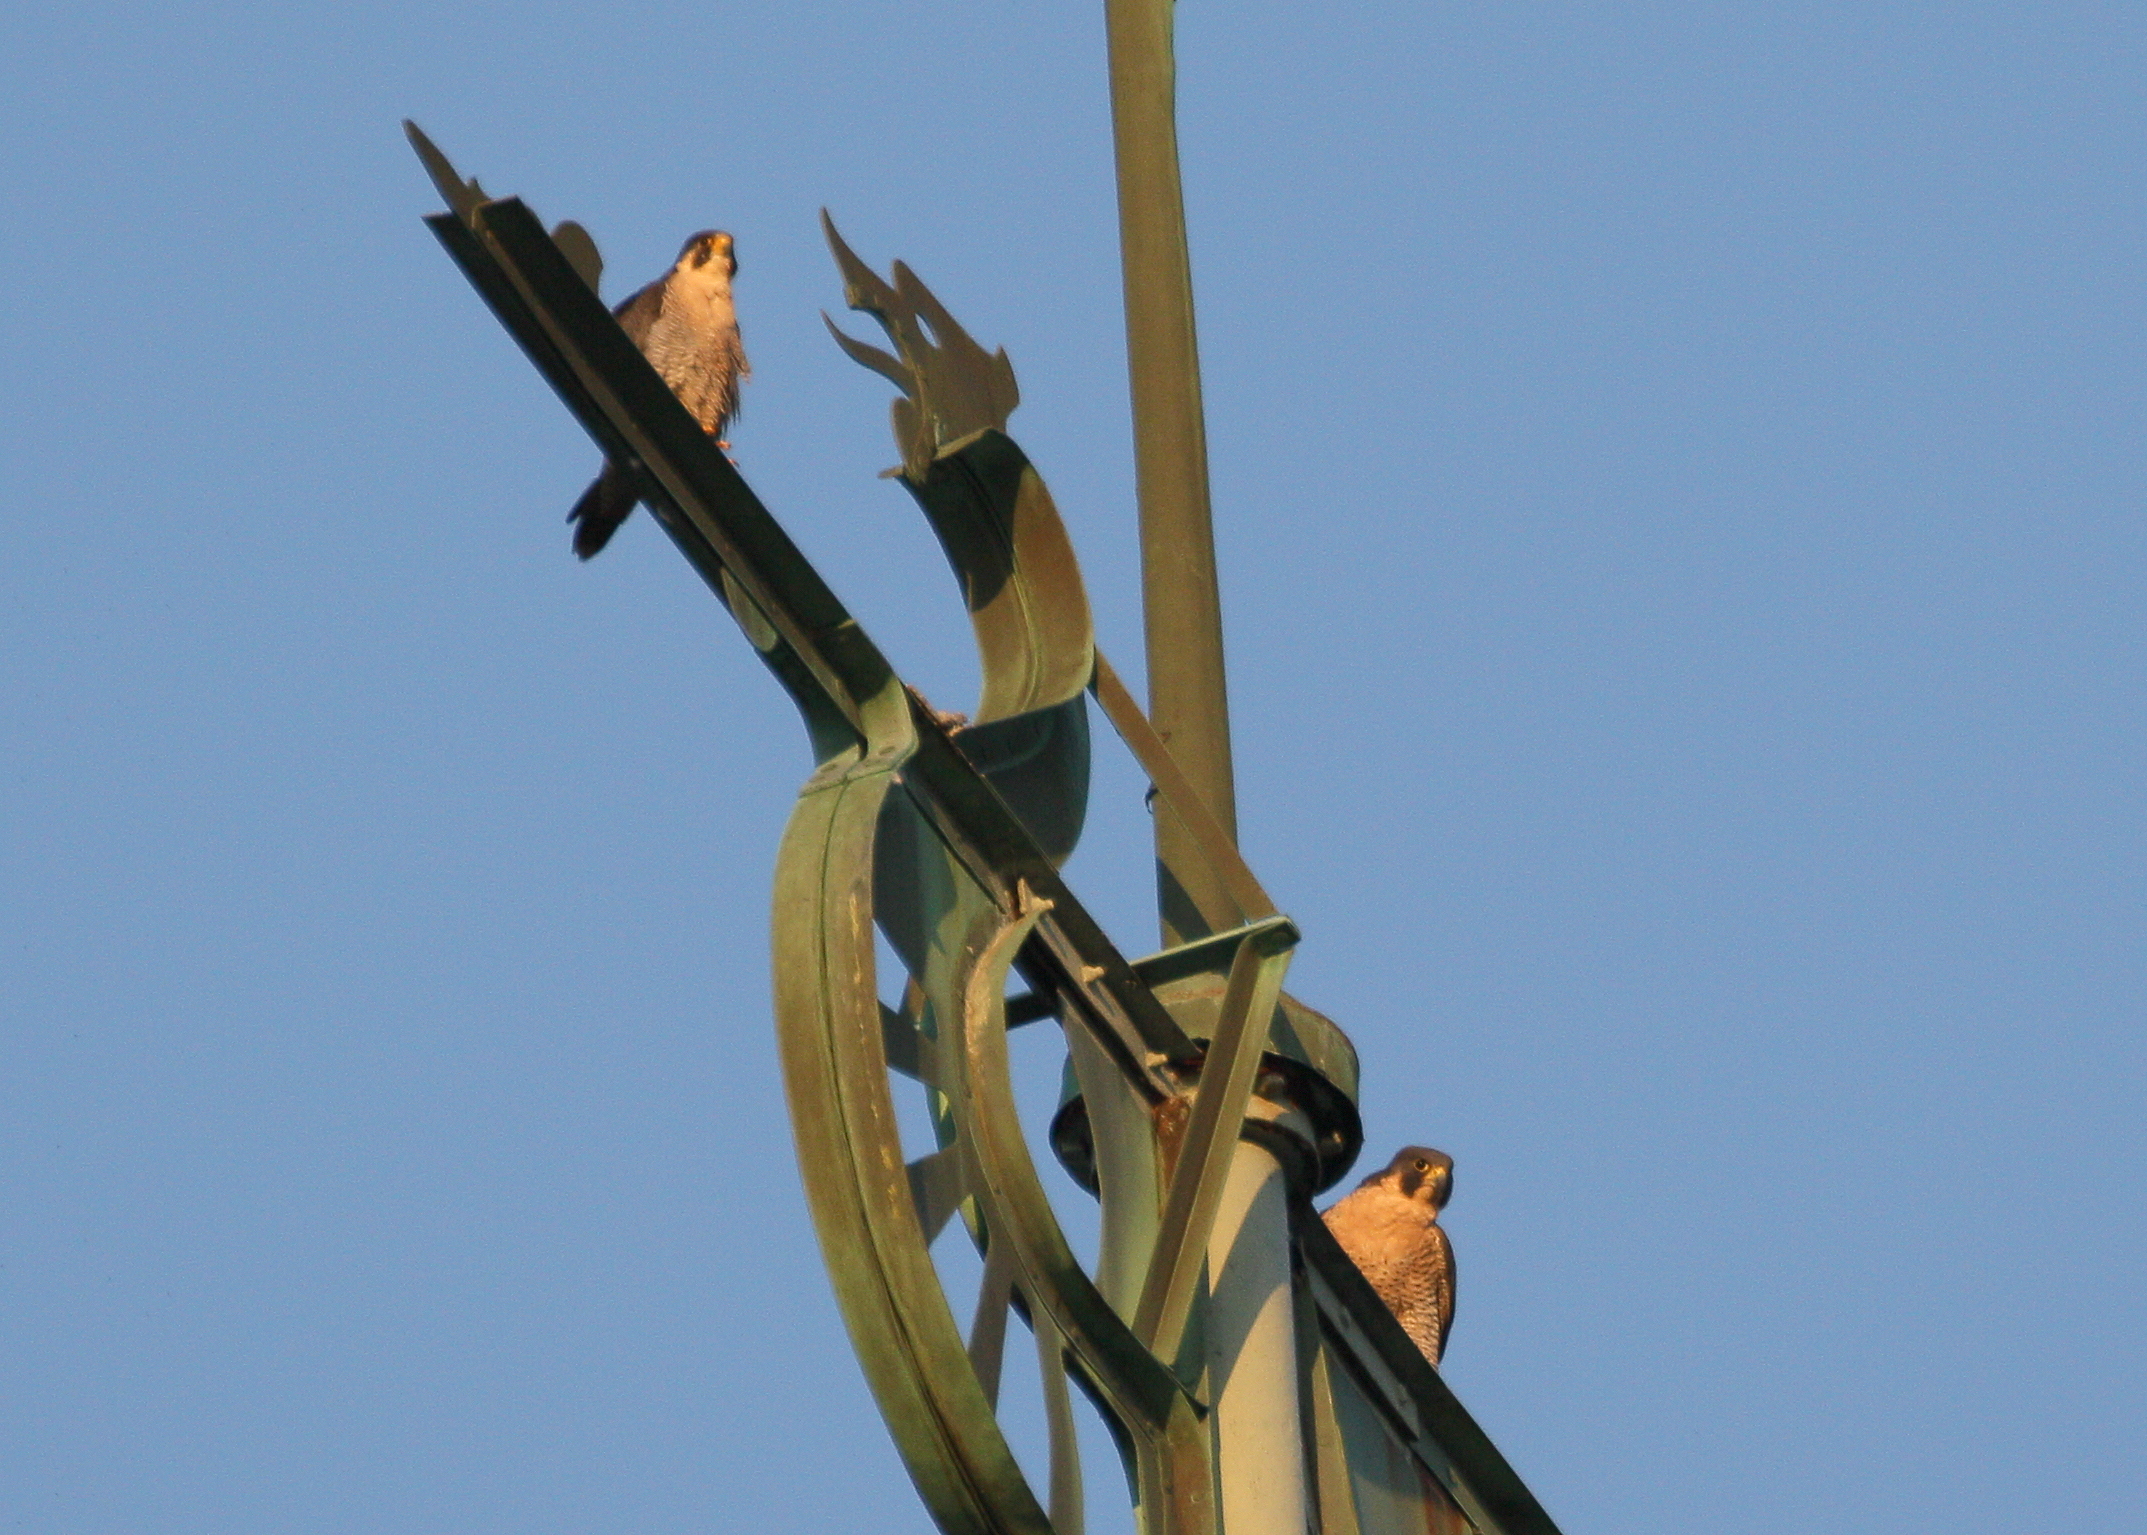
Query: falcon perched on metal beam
[[1389, 1226], [685, 325]]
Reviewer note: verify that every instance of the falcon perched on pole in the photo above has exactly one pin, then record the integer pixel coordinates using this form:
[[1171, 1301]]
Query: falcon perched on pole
[[685, 325], [1389, 1226]]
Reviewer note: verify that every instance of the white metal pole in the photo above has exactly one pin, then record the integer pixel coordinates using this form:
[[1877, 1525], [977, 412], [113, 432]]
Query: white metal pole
[[1252, 1352]]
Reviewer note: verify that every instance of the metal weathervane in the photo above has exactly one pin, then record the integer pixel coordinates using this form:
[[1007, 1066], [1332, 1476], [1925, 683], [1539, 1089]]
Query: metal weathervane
[[1252, 1379]]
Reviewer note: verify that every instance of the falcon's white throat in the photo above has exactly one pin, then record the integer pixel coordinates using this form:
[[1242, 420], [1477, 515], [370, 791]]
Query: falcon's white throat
[[700, 296]]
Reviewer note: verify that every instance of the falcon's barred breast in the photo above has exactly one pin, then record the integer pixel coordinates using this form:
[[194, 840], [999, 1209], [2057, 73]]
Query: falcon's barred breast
[[685, 325], [1389, 1226]]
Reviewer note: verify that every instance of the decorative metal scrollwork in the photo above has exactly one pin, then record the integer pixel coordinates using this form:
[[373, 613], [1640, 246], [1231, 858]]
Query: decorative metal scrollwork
[[958, 941], [950, 842]]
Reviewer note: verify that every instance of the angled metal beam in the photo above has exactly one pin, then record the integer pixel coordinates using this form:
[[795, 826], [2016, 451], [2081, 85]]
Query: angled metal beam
[[1213, 952], [1420, 1406], [1226, 891], [810, 641], [1196, 1184]]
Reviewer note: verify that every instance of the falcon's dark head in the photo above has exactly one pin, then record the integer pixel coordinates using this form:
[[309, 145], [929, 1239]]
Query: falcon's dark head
[[1421, 1174], [709, 245]]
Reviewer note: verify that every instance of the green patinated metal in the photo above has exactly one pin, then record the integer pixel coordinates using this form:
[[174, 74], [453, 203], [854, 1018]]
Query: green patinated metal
[[1250, 995], [948, 840], [1181, 596]]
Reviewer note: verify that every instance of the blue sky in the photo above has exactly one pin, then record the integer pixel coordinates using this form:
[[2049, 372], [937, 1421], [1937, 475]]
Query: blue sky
[[1678, 473]]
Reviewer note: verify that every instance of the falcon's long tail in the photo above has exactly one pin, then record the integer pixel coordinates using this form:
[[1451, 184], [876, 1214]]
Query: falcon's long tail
[[602, 507]]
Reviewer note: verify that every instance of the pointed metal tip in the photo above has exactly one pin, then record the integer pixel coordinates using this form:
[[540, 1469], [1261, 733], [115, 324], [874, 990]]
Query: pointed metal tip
[[427, 150], [458, 195], [844, 256], [862, 289]]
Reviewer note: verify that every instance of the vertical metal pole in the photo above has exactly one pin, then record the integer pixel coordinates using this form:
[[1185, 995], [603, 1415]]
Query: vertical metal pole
[[1252, 1354], [1251, 1342], [1181, 600]]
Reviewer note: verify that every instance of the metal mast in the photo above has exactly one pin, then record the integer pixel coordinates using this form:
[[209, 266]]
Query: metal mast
[[1181, 601], [1249, 1332]]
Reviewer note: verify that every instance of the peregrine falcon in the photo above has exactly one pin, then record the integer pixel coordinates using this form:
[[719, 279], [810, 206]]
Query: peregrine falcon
[[685, 325], [1389, 1226]]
